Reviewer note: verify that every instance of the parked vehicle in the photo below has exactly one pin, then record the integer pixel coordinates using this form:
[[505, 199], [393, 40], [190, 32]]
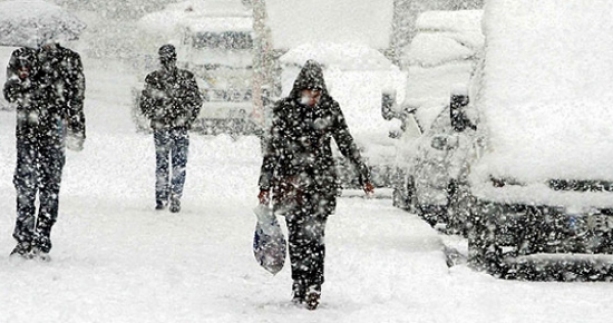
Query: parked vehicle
[[542, 189], [436, 138], [355, 75], [214, 41]]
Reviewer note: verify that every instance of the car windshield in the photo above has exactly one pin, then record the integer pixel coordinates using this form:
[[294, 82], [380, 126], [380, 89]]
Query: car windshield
[[227, 40]]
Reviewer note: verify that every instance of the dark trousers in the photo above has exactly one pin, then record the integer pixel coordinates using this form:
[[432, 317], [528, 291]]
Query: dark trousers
[[40, 160], [306, 215], [171, 146]]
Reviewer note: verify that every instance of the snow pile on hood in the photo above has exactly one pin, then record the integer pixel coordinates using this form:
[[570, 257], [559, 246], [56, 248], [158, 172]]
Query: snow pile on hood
[[429, 89], [546, 95], [444, 36], [441, 55], [215, 15]]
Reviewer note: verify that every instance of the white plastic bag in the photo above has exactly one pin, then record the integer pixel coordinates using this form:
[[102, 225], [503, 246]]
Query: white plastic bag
[[269, 245]]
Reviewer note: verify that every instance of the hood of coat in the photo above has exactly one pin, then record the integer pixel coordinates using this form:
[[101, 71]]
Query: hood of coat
[[311, 76]]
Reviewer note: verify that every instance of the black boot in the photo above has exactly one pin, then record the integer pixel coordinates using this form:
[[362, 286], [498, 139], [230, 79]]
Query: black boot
[[41, 248], [160, 205], [311, 299], [175, 204], [22, 250]]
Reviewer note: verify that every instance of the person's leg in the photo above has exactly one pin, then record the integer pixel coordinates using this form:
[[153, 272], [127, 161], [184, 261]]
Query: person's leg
[[306, 226], [286, 203], [26, 184], [319, 208], [180, 150], [52, 160], [162, 162], [294, 220]]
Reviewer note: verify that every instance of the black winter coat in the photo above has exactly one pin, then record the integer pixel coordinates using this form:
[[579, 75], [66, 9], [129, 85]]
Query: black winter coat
[[171, 99], [298, 150], [51, 96]]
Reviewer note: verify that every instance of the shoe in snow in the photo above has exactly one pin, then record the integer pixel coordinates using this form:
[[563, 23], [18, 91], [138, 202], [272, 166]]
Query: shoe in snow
[[159, 205], [40, 255], [175, 205], [22, 250], [311, 299]]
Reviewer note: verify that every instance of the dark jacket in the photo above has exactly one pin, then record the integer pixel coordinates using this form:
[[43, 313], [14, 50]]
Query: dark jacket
[[171, 99], [51, 96], [298, 149]]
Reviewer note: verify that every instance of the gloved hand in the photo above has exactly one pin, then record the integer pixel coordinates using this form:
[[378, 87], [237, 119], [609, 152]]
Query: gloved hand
[[74, 143], [369, 189], [264, 197]]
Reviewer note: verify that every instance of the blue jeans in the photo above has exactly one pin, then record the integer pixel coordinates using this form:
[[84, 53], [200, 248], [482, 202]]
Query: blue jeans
[[40, 160], [171, 145]]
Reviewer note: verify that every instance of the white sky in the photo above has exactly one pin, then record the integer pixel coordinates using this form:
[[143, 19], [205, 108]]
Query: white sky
[[294, 22]]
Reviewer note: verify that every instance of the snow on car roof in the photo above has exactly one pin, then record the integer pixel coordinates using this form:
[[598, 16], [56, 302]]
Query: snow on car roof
[[199, 16], [346, 56], [444, 36], [431, 49], [546, 92], [454, 21]]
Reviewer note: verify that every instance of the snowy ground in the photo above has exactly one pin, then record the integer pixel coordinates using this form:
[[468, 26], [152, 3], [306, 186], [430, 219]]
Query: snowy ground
[[117, 260]]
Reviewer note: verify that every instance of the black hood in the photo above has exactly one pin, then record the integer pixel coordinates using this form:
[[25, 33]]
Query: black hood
[[310, 77]]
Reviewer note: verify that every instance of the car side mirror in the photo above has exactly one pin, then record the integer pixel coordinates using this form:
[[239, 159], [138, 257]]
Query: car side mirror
[[388, 101]]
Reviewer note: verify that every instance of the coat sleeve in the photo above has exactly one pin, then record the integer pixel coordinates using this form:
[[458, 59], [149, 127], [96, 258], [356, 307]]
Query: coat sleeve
[[14, 88], [271, 149], [148, 98], [76, 115], [194, 99], [347, 145]]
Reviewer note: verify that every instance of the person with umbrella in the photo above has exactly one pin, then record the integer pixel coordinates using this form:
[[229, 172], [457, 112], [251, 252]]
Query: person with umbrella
[[47, 87], [299, 169]]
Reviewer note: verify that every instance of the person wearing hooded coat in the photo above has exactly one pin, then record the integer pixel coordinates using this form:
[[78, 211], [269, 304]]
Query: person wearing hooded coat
[[299, 169], [46, 85]]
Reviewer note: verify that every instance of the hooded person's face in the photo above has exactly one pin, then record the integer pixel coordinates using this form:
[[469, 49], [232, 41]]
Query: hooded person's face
[[168, 63], [310, 97]]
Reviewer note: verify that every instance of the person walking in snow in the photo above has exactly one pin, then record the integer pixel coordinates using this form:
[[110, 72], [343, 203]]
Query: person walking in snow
[[299, 170], [46, 85], [171, 101]]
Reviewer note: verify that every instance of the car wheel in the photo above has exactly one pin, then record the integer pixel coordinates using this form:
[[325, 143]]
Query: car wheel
[[484, 253], [459, 209]]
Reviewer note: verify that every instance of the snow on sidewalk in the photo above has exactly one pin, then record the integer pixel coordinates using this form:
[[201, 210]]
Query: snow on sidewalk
[[115, 259]]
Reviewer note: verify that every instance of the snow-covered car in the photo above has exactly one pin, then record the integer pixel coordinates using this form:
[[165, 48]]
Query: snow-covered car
[[542, 188], [214, 41], [355, 75], [436, 137]]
